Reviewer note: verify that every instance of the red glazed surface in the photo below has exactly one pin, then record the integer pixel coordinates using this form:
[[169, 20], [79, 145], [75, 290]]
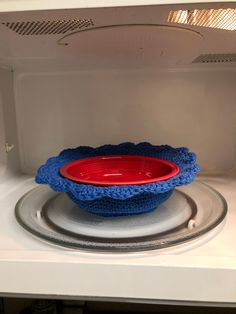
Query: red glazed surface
[[119, 170]]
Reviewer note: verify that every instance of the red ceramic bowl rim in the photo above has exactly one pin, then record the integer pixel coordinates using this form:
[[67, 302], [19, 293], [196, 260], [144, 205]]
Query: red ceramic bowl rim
[[174, 171]]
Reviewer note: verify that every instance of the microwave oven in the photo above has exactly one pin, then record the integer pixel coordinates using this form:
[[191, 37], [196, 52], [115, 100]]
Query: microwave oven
[[84, 72]]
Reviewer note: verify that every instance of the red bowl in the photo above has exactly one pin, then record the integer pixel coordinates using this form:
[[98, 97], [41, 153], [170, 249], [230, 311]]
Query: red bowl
[[119, 170]]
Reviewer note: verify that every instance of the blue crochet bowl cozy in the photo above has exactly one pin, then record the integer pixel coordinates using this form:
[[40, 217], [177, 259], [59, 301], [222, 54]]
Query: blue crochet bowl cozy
[[119, 200]]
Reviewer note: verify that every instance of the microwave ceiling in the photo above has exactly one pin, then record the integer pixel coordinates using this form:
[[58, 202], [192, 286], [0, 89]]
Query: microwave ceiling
[[104, 36]]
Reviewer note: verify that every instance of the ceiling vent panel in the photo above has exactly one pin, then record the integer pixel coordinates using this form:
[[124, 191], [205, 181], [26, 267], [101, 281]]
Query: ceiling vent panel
[[48, 27], [215, 58]]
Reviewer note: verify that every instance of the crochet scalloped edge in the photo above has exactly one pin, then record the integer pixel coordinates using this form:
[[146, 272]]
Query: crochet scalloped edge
[[49, 172]]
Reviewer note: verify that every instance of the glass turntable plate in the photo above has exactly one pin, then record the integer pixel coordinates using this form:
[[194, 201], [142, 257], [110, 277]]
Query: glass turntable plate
[[62, 213], [191, 211]]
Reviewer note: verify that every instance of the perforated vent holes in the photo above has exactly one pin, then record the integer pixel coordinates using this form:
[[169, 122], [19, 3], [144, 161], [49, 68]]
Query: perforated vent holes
[[215, 58], [48, 27]]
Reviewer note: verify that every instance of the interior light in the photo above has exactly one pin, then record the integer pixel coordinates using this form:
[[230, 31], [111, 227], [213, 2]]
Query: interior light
[[213, 18]]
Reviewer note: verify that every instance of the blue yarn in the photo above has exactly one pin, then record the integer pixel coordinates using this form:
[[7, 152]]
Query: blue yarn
[[135, 205], [119, 200]]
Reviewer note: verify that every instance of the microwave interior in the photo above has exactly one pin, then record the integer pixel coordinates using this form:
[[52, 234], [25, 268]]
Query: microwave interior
[[160, 74], [163, 74]]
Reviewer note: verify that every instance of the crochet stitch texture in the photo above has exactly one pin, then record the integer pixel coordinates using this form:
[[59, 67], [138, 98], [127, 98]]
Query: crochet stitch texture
[[119, 200]]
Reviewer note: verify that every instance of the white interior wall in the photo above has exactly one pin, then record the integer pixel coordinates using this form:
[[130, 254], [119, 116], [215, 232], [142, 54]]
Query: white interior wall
[[58, 108], [8, 133], [192, 108], [2, 137], [104, 86]]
